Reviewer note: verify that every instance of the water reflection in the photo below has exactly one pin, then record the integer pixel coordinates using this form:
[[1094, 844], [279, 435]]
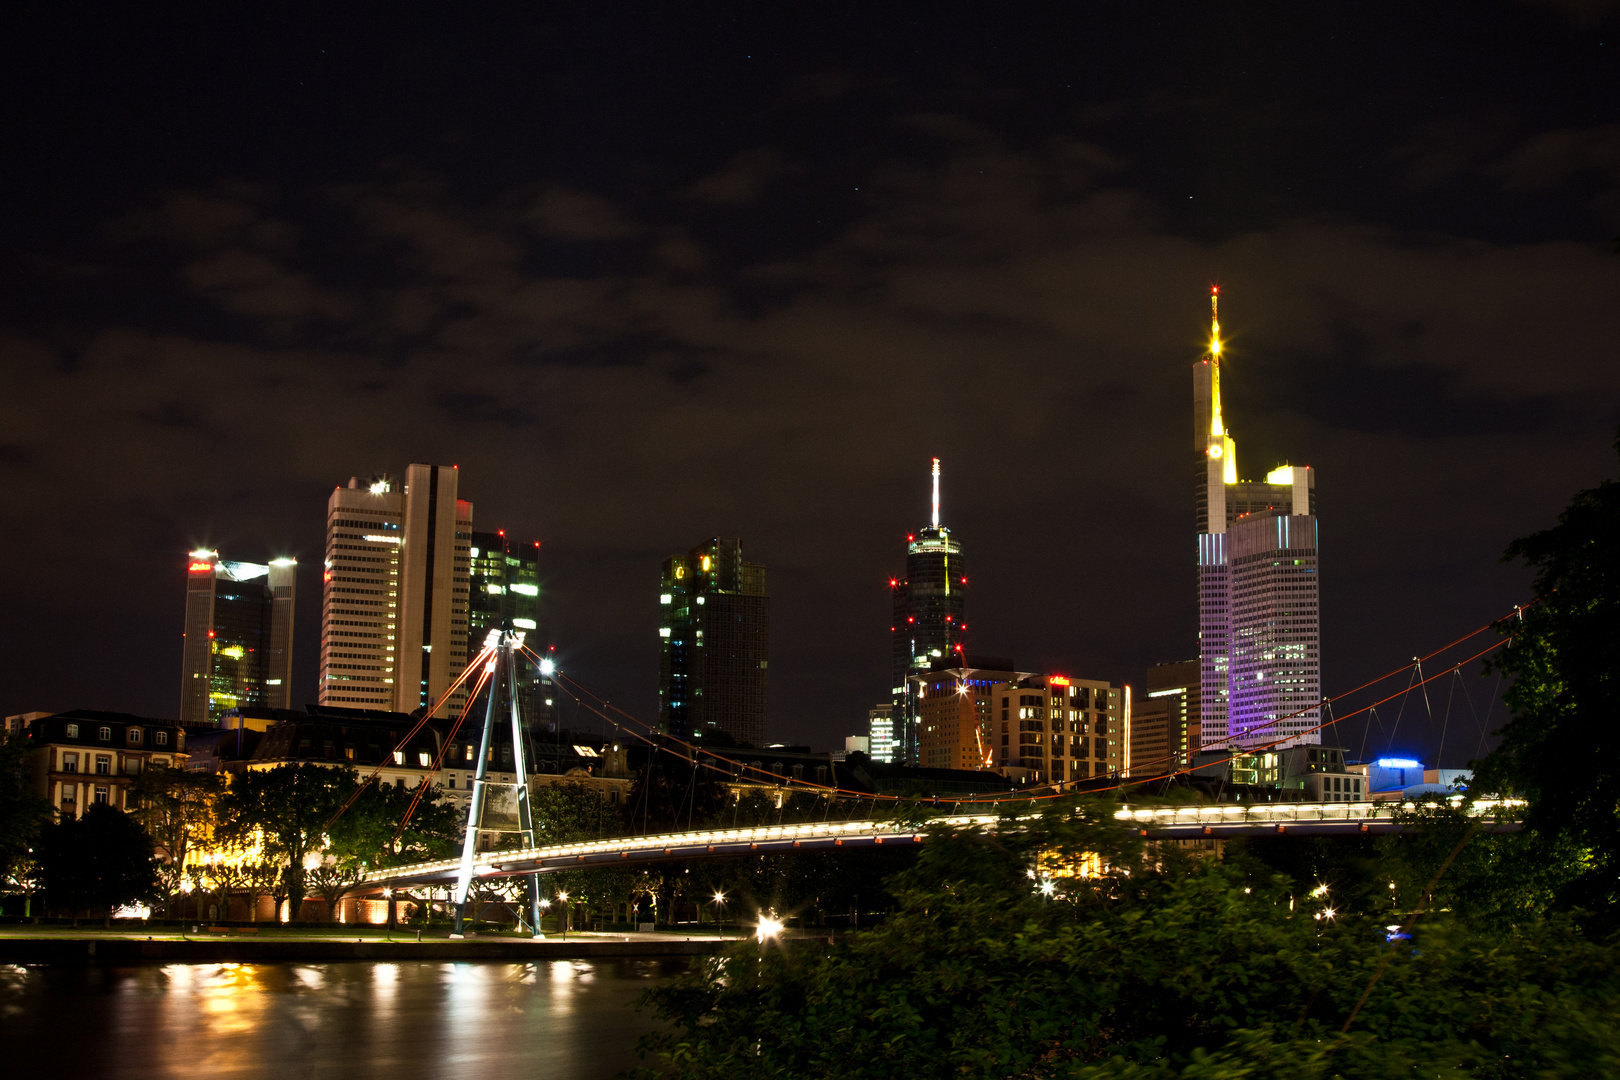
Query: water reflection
[[564, 1018]]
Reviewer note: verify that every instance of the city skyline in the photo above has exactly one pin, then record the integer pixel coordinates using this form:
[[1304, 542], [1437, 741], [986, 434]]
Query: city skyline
[[686, 277]]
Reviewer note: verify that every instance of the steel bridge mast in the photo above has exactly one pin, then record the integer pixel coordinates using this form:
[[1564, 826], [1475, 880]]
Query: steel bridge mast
[[502, 666]]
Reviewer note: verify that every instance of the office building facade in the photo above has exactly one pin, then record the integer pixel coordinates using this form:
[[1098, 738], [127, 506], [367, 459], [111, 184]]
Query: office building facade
[[238, 636], [1055, 729], [1258, 585], [881, 738], [955, 706], [504, 590], [927, 622], [394, 609], [714, 643], [1166, 725]]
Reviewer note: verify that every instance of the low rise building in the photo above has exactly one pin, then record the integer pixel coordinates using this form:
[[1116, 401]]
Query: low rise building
[[87, 756], [1306, 773]]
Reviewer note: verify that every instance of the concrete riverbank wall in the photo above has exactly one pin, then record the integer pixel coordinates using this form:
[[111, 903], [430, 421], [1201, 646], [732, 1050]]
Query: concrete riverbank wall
[[112, 951]]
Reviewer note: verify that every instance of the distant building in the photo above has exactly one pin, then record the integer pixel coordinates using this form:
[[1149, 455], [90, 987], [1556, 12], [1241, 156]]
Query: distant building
[[85, 756], [1400, 778], [1165, 720], [955, 726], [1307, 772], [238, 636], [1055, 729], [17, 724], [927, 623], [394, 611], [882, 742], [858, 744], [714, 643], [371, 741], [1259, 640], [504, 590], [776, 770]]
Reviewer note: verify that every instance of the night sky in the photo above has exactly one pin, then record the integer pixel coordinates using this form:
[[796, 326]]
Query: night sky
[[652, 273]]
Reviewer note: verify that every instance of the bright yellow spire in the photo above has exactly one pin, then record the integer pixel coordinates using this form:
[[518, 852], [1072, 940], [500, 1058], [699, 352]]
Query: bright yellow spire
[[1216, 428]]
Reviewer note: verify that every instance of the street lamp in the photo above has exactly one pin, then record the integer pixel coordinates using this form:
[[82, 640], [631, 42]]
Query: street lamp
[[769, 927]]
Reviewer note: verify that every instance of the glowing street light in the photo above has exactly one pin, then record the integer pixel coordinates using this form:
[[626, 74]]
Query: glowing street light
[[769, 927]]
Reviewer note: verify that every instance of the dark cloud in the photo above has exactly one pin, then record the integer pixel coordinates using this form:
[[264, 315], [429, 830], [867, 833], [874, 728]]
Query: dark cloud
[[743, 179]]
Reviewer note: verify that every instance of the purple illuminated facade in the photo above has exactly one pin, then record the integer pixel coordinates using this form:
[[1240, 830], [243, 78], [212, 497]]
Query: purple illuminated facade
[[1258, 593]]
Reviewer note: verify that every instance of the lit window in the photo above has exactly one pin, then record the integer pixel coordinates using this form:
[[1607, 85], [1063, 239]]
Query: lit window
[[423, 758], [73, 731], [399, 757]]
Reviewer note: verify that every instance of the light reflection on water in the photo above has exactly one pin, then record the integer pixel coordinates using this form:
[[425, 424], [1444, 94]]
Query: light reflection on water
[[564, 1018]]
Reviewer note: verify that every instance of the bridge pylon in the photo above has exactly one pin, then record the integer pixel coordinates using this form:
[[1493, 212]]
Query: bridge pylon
[[499, 807]]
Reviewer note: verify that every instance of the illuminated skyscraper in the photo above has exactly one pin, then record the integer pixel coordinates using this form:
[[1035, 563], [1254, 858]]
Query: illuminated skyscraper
[[238, 637], [714, 639], [927, 624], [1258, 628], [504, 590], [394, 605], [880, 741]]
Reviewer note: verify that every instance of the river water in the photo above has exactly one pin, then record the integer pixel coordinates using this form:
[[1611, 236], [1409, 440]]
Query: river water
[[562, 1019]]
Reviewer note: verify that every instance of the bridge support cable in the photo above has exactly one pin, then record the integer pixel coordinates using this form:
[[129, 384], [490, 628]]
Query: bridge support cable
[[499, 647], [405, 739], [438, 760], [702, 757]]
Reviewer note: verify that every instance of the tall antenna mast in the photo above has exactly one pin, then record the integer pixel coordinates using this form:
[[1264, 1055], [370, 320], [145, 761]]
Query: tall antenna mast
[[936, 493]]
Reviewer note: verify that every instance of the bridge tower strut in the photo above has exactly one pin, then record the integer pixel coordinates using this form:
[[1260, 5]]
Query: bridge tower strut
[[501, 668]]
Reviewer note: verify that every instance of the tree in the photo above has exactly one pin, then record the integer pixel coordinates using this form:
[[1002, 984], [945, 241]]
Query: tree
[[99, 862], [1064, 947], [285, 810], [22, 813], [176, 808], [259, 879], [1563, 658]]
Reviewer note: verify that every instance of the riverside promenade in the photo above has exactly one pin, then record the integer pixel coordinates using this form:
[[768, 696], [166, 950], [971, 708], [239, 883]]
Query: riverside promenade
[[281, 944]]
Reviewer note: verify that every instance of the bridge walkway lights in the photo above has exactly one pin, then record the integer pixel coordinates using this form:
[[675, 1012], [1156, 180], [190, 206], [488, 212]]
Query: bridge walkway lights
[[1215, 820]]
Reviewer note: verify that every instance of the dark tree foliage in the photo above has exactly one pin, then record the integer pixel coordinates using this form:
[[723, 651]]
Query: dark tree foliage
[[1015, 955], [22, 813], [176, 808], [99, 862], [285, 810], [1564, 699]]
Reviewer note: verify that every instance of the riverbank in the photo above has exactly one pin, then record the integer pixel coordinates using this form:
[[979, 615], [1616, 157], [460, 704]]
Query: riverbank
[[115, 948]]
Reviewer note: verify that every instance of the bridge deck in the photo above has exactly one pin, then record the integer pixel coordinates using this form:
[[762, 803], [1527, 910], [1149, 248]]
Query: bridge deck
[[1220, 820]]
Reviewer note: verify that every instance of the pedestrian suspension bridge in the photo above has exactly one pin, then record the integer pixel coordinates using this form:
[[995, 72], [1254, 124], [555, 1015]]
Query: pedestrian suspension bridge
[[504, 809]]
